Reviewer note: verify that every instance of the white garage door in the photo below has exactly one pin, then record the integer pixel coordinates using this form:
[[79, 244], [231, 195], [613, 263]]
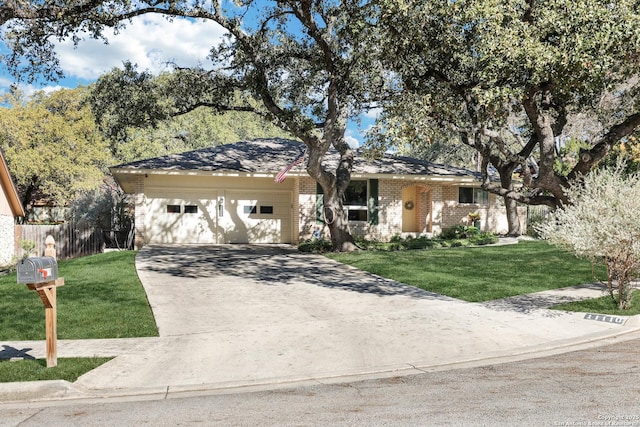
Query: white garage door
[[180, 220], [258, 217], [219, 217]]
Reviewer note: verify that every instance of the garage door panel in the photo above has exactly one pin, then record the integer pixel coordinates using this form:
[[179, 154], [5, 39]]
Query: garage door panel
[[243, 216], [266, 231], [260, 217], [174, 220]]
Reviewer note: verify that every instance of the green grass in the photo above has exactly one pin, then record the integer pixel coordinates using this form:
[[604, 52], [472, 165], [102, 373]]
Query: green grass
[[36, 370], [102, 298], [477, 274], [603, 305]]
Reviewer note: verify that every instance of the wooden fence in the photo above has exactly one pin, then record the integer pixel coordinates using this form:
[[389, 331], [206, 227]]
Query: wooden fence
[[71, 241], [537, 213]]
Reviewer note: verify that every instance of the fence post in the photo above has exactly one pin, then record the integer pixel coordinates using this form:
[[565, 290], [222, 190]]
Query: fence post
[[50, 249]]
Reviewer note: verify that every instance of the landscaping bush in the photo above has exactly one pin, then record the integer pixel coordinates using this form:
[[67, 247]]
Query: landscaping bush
[[459, 232], [484, 238], [316, 246], [601, 224], [454, 237], [419, 243]]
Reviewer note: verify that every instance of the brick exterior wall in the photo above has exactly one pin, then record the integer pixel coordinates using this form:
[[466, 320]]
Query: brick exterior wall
[[436, 208]]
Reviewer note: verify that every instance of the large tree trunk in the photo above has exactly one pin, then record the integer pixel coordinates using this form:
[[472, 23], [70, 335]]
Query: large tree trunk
[[513, 220], [333, 187], [336, 219], [27, 197]]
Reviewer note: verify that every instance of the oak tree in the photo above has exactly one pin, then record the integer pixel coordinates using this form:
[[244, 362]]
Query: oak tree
[[302, 60], [511, 79], [52, 145]]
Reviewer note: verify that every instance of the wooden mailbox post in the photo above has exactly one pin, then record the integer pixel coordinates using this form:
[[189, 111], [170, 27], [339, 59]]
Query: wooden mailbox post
[[34, 272]]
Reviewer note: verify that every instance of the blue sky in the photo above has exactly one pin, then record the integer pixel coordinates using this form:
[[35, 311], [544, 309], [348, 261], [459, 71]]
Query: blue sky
[[150, 42]]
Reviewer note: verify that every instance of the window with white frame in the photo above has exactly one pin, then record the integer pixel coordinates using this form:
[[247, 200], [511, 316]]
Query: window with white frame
[[355, 201], [360, 201], [472, 195]]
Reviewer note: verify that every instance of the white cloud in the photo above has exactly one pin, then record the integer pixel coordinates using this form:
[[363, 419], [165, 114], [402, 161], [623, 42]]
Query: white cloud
[[5, 82], [373, 113], [31, 89], [26, 89], [350, 139], [149, 41]]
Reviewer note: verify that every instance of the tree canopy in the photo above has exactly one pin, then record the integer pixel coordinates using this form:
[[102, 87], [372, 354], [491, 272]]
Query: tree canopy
[[52, 145], [141, 120], [199, 128], [302, 60], [508, 78], [513, 79]]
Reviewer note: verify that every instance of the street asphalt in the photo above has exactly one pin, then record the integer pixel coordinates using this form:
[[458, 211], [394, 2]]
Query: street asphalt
[[240, 317]]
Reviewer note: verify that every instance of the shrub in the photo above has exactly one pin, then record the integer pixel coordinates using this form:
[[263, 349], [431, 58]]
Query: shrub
[[317, 246], [398, 243], [536, 216], [601, 224], [459, 232], [396, 238], [419, 243], [28, 247], [484, 238]]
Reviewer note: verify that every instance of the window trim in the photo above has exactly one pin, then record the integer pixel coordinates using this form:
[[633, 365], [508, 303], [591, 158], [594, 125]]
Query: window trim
[[372, 203], [358, 208], [475, 200], [190, 209]]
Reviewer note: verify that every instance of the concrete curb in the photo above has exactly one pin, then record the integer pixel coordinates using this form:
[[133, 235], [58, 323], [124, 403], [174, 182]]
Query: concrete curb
[[39, 391]]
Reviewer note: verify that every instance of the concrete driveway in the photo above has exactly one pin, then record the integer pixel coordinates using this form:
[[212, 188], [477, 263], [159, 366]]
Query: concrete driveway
[[240, 315]]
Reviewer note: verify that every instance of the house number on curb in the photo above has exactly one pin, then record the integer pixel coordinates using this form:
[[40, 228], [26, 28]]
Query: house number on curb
[[603, 318]]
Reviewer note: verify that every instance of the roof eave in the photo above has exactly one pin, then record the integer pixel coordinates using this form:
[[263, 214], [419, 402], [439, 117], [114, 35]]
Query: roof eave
[[12, 192], [404, 177]]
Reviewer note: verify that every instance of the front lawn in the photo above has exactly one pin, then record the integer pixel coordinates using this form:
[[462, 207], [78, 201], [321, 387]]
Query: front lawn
[[603, 305], [477, 274], [102, 297], [36, 370]]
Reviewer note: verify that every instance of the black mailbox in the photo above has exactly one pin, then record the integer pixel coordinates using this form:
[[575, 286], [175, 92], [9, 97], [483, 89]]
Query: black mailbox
[[37, 270]]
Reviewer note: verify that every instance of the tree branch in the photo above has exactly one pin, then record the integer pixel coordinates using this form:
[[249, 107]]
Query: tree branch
[[219, 107], [20, 9], [589, 158], [533, 199]]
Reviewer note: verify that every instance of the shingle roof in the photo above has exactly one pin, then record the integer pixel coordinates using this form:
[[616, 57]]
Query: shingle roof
[[272, 155]]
